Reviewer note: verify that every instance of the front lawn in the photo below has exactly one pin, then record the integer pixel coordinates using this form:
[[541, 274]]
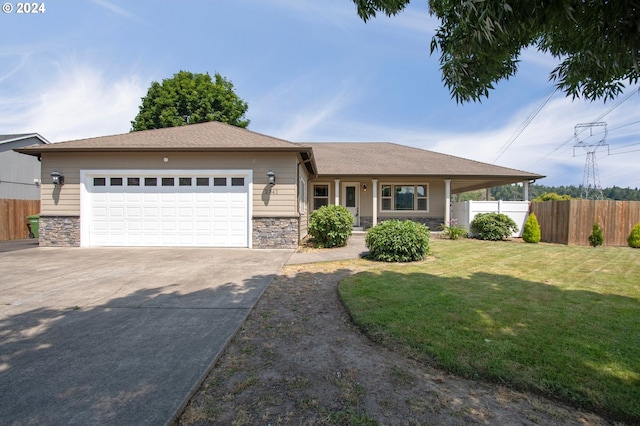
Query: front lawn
[[558, 320]]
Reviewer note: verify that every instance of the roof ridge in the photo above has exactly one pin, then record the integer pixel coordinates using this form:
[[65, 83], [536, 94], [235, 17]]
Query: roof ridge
[[175, 129]]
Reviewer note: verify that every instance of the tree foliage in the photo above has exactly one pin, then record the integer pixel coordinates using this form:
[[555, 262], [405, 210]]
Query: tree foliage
[[515, 192], [597, 42], [188, 98], [552, 196]]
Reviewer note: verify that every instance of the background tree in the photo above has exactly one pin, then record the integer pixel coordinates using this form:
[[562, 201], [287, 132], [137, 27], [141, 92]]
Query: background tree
[[189, 98], [597, 42]]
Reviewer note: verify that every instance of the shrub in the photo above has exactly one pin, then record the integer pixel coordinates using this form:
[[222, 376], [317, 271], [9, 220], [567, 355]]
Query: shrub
[[531, 230], [330, 226], [634, 237], [398, 241], [596, 239], [493, 226], [551, 196], [453, 230]]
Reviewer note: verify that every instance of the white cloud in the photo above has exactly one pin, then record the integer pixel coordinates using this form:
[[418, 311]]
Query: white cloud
[[79, 102]]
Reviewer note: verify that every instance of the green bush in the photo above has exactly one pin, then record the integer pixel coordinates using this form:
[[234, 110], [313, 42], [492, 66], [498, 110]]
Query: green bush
[[531, 230], [551, 196], [493, 226], [398, 241], [330, 226], [596, 239], [634, 237]]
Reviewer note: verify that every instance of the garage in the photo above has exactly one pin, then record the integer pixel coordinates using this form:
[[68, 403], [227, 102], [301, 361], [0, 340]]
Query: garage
[[199, 208]]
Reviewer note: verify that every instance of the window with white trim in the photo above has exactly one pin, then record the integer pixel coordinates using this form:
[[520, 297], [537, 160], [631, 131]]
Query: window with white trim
[[404, 197], [320, 196]]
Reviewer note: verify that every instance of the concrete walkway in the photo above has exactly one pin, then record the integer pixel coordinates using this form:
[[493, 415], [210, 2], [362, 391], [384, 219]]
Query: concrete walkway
[[118, 336], [354, 249]]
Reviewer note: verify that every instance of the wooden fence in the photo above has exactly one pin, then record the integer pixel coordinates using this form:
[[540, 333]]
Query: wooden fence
[[571, 222], [13, 221]]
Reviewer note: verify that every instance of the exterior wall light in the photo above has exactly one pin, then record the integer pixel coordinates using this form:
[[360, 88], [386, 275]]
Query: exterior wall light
[[272, 177], [364, 187], [57, 178]]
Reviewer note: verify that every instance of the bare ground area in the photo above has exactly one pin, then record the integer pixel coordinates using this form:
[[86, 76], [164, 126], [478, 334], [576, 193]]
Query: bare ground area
[[300, 360]]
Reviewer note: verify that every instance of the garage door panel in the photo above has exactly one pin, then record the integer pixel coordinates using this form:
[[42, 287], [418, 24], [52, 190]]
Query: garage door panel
[[149, 211]]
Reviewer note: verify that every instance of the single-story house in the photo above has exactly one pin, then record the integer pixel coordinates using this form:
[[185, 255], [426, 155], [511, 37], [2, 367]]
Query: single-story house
[[216, 185]]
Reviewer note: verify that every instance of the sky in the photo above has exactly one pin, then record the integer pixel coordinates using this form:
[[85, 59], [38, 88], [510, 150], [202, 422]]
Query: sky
[[310, 71]]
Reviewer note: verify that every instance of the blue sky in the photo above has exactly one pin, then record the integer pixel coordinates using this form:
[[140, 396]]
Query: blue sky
[[310, 71]]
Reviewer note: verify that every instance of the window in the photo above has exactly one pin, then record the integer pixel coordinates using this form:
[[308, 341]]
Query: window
[[202, 181], [404, 197], [302, 194], [168, 181], [184, 181], [421, 197], [385, 197], [150, 181], [237, 181], [320, 196], [115, 181], [99, 181], [217, 181], [133, 181]]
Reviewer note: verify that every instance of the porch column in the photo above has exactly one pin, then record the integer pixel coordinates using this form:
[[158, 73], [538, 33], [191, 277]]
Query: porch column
[[447, 202], [337, 193], [374, 220], [525, 189]]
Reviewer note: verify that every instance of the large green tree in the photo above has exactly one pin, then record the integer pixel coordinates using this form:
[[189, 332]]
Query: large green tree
[[597, 42], [189, 98]]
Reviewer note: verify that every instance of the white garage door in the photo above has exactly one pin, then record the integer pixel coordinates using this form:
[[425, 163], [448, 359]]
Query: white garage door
[[160, 208]]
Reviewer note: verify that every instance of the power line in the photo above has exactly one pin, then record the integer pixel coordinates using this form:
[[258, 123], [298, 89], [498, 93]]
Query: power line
[[600, 117], [525, 124]]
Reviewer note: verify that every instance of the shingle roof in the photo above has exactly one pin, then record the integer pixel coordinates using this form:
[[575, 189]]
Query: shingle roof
[[194, 137], [390, 159], [20, 136]]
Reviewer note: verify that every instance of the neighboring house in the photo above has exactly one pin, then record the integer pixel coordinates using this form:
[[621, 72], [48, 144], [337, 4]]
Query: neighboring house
[[19, 173], [209, 185]]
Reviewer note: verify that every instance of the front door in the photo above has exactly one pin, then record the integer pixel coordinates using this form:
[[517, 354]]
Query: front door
[[351, 200]]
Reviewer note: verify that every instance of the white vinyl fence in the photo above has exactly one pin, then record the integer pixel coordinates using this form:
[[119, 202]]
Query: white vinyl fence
[[464, 212]]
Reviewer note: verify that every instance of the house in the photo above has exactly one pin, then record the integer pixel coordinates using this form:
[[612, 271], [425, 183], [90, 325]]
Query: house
[[216, 185], [19, 174]]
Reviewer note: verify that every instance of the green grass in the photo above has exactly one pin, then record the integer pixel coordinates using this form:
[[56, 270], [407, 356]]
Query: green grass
[[561, 321]]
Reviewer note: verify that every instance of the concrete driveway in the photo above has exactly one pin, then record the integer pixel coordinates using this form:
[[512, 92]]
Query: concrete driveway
[[118, 335]]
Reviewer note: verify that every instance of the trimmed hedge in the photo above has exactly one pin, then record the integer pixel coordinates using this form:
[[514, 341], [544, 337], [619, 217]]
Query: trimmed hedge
[[398, 241], [493, 226], [330, 226]]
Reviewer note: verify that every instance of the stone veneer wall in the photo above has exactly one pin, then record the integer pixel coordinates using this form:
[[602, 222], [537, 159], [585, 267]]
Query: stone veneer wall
[[275, 232], [59, 231], [432, 222]]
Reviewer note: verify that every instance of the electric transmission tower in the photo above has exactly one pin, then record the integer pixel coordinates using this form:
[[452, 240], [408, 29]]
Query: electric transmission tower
[[591, 188]]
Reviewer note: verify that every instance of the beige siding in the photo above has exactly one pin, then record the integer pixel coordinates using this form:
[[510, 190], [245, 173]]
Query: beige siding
[[279, 201], [303, 207], [436, 195]]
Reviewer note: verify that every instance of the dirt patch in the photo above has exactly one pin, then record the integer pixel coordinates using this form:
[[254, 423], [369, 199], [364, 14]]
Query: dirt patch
[[298, 359]]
